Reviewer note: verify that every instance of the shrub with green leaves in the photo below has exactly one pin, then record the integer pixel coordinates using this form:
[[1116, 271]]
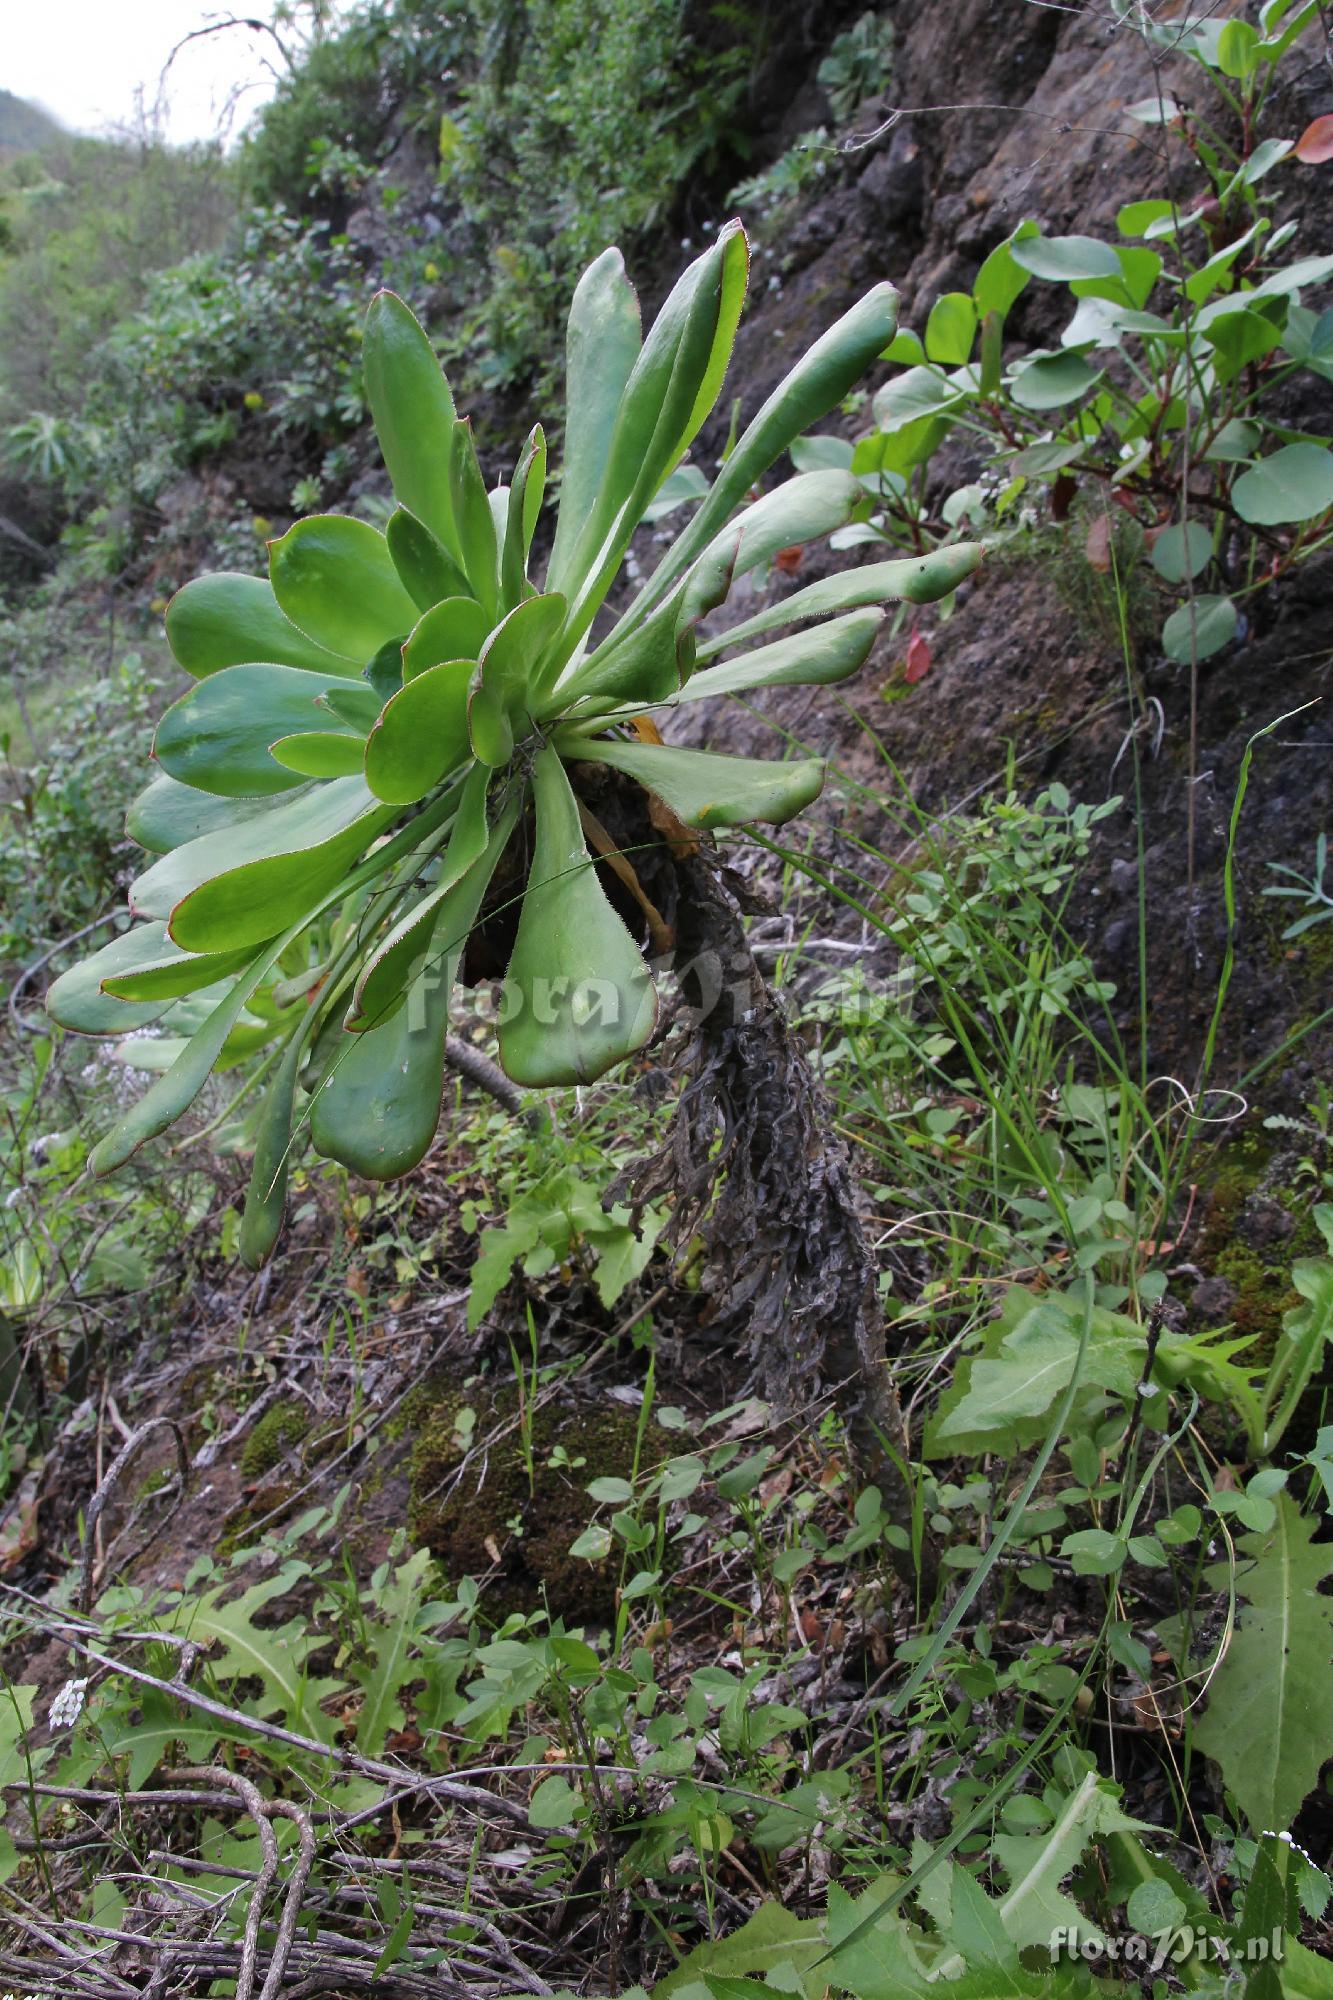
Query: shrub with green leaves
[[1163, 392], [395, 721]]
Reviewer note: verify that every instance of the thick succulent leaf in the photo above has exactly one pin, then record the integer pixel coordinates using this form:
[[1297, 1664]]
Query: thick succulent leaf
[[800, 510], [808, 659], [601, 345], [394, 962], [378, 1104], [217, 736], [413, 412], [644, 666], [168, 814], [266, 1196], [916, 580], [354, 703], [165, 972], [227, 620], [76, 1000], [707, 790], [578, 994], [657, 415], [422, 734], [515, 650], [478, 547], [456, 629], [425, 567], [334, 577], [174, 1092], [818, 382], [293, 834], [320, 753], [490, 731], [521, 512]]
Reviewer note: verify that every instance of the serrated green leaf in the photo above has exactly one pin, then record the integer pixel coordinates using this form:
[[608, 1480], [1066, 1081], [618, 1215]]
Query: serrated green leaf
[[1267, 1702]]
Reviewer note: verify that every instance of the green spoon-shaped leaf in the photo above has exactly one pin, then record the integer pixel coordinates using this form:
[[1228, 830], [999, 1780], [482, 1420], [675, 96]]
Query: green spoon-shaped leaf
[[456, 629], [217, 736], [395, 961], [422, 734], [522, 508], [602, 343], [167, 814], [915, 580], [379, 1103], [231, 889], [227, 620], [808, 659], [578, 997], [167, 972], [77, 1001], [413, 411], [334, 577], [321, 753], [266, 1196], [475, 521], [512, 655], [425, 567], [707, 790]]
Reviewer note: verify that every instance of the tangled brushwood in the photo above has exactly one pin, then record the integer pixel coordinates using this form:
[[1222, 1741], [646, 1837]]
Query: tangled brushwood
[[386, 737]]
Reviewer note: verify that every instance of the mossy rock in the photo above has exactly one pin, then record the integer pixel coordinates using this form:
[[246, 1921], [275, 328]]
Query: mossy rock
[[285, 1425], [494, 1507]]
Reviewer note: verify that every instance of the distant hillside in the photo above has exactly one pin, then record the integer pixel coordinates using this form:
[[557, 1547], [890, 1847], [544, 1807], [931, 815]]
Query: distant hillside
[[24, 126]]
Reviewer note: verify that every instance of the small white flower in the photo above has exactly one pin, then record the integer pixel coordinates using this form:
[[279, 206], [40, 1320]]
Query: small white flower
[[67, 1707]]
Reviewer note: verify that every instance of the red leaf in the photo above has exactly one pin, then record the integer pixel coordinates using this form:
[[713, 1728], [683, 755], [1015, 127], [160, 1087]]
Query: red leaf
[[1315, 144], [789, 560], [1097, 546], [1062, 496], [917, 664]]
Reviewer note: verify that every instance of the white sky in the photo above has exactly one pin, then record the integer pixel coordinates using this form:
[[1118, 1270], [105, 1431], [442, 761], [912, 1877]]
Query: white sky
[[84, 59]]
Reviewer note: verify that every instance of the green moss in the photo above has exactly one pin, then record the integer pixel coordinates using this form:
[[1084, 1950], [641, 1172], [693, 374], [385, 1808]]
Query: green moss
[[285, 1425], [494, 1519]]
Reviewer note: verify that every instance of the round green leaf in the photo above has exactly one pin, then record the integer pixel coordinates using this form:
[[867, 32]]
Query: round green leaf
[[555, 1803], [951, 328], [1048, 381], [1133, 219], [456, 629], [1062, 258], [1294, 484], [1200, 628], [421, 735], [1182, 551], [334, 577], [1154, 1908]]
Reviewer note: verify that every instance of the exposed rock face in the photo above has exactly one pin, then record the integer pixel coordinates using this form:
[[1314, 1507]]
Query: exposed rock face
[[1028, 119]]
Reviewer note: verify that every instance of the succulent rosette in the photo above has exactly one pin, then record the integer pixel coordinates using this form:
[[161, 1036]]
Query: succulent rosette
[[369, 727]]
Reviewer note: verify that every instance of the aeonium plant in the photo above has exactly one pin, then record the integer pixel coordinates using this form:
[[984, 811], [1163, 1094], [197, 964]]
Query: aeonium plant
[[375, 726]]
